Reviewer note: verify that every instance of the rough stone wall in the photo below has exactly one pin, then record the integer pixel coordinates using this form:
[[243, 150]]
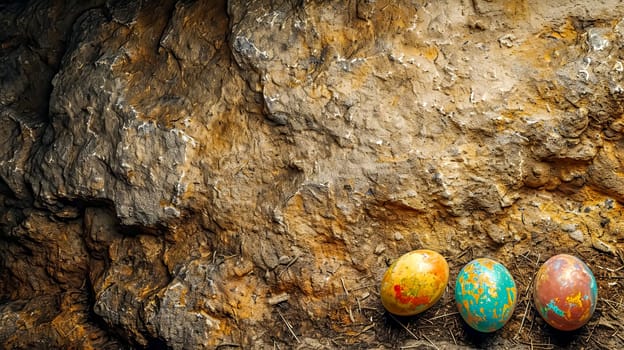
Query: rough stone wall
[[191, 174]]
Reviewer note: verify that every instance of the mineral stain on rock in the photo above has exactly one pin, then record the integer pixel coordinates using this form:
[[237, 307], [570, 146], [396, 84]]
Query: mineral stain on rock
[[201, 174]]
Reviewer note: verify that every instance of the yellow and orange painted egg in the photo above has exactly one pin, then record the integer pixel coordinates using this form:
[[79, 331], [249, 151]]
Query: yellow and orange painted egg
[[414, 282], [485, 294], [565, 292]]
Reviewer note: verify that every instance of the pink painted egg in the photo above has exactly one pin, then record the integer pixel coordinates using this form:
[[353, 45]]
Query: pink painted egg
[[565, 292]]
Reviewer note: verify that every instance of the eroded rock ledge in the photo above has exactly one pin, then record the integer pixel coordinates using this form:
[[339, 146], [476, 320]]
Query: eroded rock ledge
[[194, 174]]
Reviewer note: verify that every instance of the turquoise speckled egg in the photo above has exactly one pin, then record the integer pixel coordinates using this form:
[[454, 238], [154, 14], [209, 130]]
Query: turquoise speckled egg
[[485, 294]]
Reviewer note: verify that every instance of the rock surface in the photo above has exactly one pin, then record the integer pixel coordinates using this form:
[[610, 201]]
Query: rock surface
[[201, 174]]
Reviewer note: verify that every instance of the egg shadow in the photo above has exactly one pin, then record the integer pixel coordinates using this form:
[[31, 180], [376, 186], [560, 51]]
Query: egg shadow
[[399, 326], [419, 327], [480, 340], [393, 326], [397, 323], [563, 339]]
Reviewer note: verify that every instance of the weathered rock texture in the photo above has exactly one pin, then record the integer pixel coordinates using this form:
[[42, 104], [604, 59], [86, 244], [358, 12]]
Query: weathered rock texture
[[194, 174]]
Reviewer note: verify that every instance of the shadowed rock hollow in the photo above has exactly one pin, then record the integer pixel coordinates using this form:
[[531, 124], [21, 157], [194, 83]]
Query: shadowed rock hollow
[[201, 174]]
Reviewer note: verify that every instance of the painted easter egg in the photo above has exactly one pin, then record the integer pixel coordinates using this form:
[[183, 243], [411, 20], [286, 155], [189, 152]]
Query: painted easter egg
[[565, 292], [485, 294], [414, 282]]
